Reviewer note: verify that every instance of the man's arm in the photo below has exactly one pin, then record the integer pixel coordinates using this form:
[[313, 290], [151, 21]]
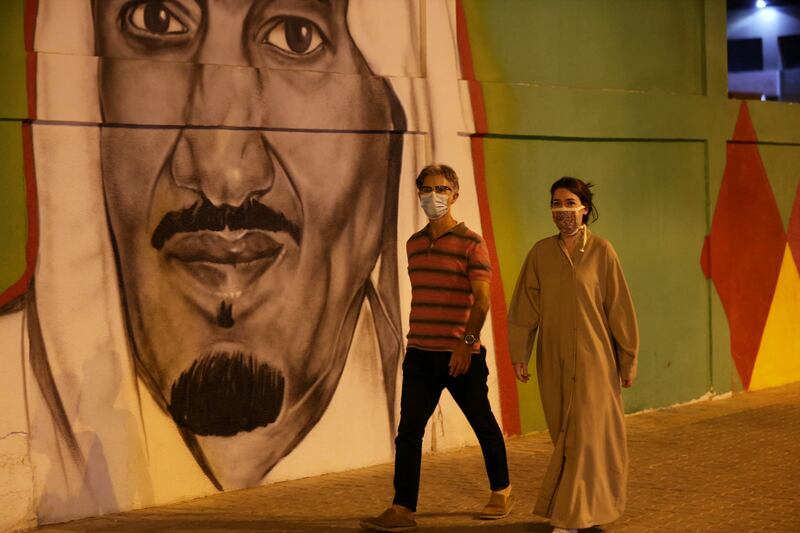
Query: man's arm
[[480, 308], [462, 356]]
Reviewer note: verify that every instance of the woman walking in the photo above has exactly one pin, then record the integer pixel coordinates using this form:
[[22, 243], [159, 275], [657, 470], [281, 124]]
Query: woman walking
[[572, 292]]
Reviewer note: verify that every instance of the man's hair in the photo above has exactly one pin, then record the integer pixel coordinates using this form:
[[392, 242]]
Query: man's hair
[[438, 170]]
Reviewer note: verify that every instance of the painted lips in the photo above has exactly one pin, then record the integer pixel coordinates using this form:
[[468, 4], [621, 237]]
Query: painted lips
[[225, 263]]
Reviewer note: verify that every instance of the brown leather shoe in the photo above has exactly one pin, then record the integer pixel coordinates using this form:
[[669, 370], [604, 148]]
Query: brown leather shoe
[[391, 520], [499, 506]]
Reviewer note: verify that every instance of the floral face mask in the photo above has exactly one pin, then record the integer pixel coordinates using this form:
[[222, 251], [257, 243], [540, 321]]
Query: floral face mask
[[568, 219]]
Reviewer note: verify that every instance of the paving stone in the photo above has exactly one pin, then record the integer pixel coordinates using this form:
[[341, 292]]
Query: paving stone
[[730, 465]]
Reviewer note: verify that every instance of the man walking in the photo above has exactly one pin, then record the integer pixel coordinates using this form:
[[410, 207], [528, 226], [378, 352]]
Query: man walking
[[449, 268]]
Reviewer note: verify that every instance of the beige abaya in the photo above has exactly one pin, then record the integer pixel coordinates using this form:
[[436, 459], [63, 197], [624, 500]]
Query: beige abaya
[[588, 339]]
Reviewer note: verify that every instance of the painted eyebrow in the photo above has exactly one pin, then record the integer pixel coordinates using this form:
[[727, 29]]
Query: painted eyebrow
[[324, 3]]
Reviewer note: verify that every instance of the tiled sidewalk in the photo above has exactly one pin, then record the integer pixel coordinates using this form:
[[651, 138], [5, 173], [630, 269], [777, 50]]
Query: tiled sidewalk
[[729, 465]]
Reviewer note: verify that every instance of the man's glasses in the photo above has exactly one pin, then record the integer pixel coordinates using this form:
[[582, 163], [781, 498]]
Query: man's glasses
[[440, 189]]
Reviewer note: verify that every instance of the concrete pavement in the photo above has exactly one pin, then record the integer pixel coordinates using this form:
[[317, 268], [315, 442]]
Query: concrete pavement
[[725, 465]]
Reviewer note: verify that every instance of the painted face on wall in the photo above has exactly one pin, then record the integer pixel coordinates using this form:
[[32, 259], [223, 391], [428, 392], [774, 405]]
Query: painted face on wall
[[246, 189]]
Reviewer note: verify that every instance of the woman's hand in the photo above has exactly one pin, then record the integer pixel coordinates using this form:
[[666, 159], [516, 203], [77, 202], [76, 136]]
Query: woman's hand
[[521, 371], [626, 382]]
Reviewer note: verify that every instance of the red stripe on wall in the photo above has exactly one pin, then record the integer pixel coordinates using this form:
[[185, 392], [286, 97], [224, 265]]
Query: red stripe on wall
[[509, 400], [31, 11], [32, 244]]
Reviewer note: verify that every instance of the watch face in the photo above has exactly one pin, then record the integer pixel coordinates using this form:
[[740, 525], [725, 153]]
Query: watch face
[[469, 339]]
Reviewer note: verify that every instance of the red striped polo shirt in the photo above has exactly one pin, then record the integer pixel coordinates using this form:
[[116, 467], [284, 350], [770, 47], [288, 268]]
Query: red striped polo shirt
[[441, 294]]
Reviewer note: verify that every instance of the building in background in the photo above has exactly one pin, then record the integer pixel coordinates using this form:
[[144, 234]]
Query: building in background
[[764, 49]]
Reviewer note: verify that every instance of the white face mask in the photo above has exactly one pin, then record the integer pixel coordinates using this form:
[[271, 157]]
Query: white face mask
[[567, 219], [434, 204]]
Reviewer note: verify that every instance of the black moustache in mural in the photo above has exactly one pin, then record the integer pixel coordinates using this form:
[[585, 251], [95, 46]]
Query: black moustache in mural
[[222, 394], [205, 216]]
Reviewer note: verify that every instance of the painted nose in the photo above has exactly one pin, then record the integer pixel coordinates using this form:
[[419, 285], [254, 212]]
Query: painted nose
[[219, 153], [227, 166]]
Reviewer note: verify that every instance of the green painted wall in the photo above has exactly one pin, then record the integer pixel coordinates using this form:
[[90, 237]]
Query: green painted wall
[[13, 106], [13, 223], [654, 45], [13, 99], [632, 96]]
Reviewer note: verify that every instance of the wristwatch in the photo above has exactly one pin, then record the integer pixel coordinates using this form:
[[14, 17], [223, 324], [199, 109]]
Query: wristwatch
[[470, 339]]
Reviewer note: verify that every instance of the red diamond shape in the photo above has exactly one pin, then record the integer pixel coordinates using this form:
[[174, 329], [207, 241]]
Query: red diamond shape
[[793, 234], [742, 254]]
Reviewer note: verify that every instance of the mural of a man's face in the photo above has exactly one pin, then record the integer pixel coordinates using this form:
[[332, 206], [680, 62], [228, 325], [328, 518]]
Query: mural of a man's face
[[246, 187]]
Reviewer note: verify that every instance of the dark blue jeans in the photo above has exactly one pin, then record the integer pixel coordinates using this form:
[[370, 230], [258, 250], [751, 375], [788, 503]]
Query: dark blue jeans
[[425, 375]]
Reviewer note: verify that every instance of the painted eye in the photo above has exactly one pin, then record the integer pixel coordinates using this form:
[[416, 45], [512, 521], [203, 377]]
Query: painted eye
[[156, 18], [295, 36]]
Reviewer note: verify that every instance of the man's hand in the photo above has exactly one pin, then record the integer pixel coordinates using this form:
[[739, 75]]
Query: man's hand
[[460, 360], [626, 382], [521, 371]]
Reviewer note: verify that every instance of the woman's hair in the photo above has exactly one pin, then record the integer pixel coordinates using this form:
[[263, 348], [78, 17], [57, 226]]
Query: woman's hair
[[580, 189], [438, 170]]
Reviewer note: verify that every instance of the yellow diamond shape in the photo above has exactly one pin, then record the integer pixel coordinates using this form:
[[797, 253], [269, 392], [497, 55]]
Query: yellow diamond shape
[[778, 360]]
